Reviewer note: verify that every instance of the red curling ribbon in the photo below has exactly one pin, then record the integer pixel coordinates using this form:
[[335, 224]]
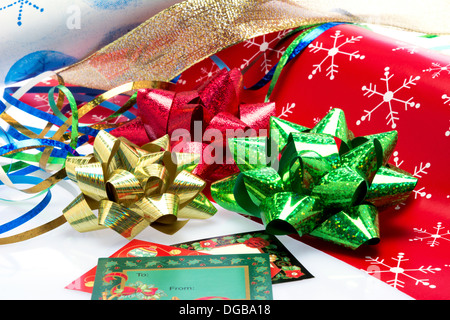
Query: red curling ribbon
[[216, 104]]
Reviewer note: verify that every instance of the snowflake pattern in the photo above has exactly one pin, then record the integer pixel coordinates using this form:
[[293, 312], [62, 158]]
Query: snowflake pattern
[[398, 272], [42, 99], [419, 171], [388, 97], [286, 110], [332, 52], [265, 48], [432, 238], [436, 68], [403, 46], [208, 73], [446, 99], [21, 4]]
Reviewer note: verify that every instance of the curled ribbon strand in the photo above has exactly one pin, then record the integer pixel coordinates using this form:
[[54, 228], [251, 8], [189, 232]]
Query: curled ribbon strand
[[318, 188], [53, 148]]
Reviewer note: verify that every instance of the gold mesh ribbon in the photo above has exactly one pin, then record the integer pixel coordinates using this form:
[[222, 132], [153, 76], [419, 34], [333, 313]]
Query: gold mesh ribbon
[[135, 187], [182, 35]]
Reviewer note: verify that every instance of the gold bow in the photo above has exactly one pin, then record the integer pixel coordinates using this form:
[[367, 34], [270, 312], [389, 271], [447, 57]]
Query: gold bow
[[135, 187]]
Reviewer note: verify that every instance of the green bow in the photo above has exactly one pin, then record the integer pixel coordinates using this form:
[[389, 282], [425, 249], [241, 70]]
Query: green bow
[[327, 183]]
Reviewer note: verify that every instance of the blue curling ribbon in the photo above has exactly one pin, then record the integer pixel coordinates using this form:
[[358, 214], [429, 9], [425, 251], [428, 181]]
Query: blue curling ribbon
[[40, 114], [219, 62], [13, 224], [21, 176], [37, 143], [81, 95], [14, 140]]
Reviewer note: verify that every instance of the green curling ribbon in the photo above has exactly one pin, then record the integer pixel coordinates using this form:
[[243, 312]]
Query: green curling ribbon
[[323, 181]]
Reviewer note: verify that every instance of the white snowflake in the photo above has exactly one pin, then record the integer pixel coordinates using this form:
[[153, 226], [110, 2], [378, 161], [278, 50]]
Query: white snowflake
[[98, 118], [419, 170], [398, 272], [43, 105], [432, 237], [332, 52], [397, 161], [286, 110], [436, 68], [446, 98], [403, 46], [207, 73], [388, 97], [264, 48], [21, 4]]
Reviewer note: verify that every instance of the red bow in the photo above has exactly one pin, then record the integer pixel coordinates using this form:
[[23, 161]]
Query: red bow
[[216, 105]]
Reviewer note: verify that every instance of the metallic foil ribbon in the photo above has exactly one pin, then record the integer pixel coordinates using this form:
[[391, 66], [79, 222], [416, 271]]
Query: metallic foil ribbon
[[327, 183], [135, 187], [190, 31], [214, 105]]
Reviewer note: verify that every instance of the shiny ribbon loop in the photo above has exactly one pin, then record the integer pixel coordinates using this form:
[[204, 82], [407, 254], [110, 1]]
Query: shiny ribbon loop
[[133, 187], [318, 188]]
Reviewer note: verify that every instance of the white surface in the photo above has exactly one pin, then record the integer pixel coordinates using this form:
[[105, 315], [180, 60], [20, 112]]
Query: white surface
[[40, 268]]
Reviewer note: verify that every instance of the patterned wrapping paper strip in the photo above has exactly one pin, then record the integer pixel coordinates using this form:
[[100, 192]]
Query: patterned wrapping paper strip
[[215, 107], [188, 32], [318, 188], [134, 187]]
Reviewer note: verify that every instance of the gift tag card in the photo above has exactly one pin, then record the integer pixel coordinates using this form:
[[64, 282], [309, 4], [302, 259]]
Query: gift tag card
[[135, 248], [222, 277], [283, 265]]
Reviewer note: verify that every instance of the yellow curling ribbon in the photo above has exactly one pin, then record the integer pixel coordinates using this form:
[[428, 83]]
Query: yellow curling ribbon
[[135, 187]]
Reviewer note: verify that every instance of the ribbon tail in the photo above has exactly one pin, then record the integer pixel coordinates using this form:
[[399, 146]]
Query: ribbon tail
[[222, 192], [281, 129], [199, 208], [126, 222], [335, 124], [390, 187], [351, 228], [288, 213], [80, 216]]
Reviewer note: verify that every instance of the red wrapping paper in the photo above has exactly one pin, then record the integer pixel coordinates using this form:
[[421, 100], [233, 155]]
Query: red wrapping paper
[[380, 86]]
